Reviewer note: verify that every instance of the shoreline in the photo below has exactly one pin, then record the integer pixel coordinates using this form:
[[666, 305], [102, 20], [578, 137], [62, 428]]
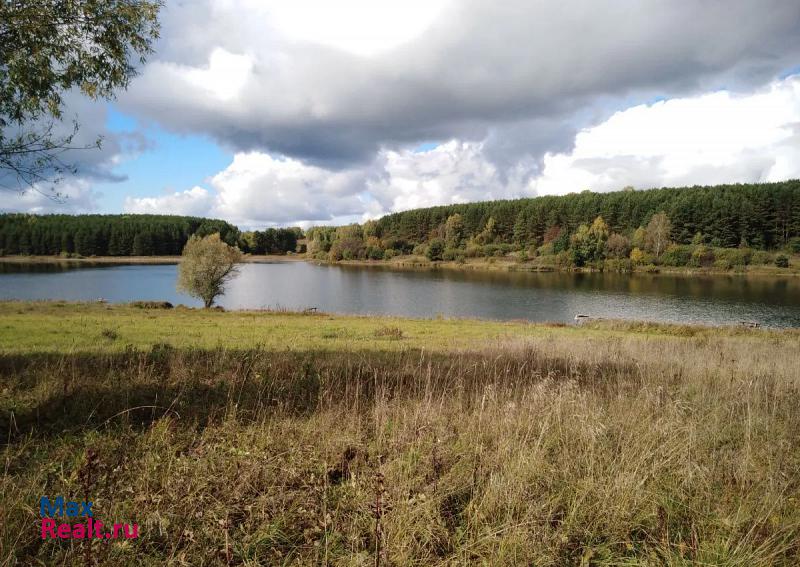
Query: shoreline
[[500, 265], [417, 263], [143, 260]]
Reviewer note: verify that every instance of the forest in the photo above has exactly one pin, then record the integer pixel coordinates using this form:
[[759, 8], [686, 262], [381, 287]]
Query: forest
[[129, 235], [105, 235], [720, 226], [725, 225]]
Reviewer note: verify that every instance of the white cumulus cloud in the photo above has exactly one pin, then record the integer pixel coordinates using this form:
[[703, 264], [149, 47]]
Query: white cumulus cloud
[[192, 202], [718, 137]]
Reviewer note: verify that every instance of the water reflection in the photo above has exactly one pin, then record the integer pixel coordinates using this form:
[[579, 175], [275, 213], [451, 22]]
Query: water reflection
[[423, 293]]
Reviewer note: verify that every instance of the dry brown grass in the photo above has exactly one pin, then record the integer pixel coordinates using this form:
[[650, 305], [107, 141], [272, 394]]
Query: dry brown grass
[[644, 449]]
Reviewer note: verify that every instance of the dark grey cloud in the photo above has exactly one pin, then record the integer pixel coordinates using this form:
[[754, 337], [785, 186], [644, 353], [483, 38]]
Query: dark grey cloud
[[521, 74]]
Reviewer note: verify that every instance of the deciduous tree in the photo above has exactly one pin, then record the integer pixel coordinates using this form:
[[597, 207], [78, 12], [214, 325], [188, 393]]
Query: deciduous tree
[[658, 233], [207, 265], [48, 47]]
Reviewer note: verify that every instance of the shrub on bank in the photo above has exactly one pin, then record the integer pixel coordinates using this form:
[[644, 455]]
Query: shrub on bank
[[677, 255], [375, 253], [545, 250], [474, 250], [420, 250], [452, 254], [734, 257], [782, 261], [762, 258], [639, 257], [435, 249], [702, 257], [618, 265], [564, 259]]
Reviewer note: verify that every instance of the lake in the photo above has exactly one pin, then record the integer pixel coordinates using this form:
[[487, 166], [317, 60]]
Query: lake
[[770, 301]]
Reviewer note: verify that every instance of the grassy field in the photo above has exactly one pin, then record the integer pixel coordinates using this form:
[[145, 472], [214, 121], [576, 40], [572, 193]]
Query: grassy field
[[250, 438]]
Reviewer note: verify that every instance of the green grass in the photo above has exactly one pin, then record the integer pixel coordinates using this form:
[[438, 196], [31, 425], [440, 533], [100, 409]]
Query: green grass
[[67, 327], [267, 438], [64, 327]]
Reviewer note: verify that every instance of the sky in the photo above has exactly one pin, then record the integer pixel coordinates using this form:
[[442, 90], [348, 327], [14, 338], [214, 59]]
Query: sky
[[306, 112]]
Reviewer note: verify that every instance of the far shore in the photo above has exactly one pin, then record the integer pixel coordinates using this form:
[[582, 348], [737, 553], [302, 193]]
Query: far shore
[[510, 265], [261, 259], [416, 263]]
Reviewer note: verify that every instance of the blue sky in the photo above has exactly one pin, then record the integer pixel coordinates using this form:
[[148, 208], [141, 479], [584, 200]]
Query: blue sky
[[170, 163]]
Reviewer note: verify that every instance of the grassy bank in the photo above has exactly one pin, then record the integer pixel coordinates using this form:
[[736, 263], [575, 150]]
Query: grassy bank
[[250, 439]]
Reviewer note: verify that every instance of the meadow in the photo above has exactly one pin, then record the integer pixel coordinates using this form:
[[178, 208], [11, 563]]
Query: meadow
[[269, 438]]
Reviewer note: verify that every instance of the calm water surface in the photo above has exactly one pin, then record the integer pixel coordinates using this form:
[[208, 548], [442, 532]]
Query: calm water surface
[[490, 295]]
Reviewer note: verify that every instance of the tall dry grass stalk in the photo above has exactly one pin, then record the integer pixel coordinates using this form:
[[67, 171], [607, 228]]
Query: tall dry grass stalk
[[627, 449]]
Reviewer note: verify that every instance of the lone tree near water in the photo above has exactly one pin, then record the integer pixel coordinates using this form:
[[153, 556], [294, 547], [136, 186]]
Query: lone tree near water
[[206, 266]]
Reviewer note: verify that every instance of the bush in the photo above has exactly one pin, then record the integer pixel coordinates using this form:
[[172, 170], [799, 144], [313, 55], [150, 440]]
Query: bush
[[435, 249], [419, 250], [452, 254], [393, 333], [794, 245], [702, 257], [564, 259], [639, 257], [375, 253], [735, 256], [398, 244], [762, 258], [676, 255], [390, 253], [109, 334], [151, 304], [546, 261], [782, 261], [723, 264], [348, 248], [620, 265], [545, 250], [491, 250], [474, 251], [651, 269]]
